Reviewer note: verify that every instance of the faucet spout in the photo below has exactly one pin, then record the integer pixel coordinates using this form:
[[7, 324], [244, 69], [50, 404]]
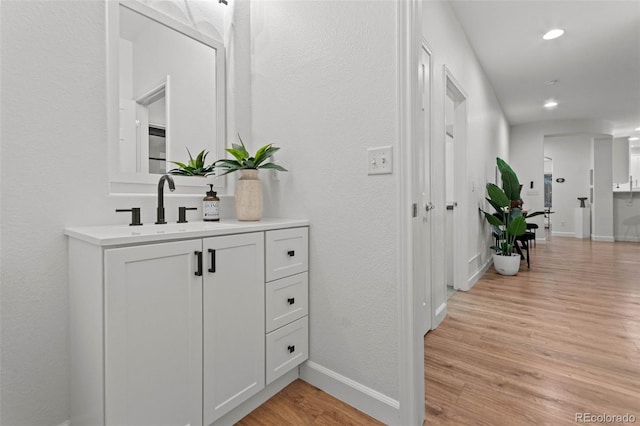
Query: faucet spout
[[160, 210]]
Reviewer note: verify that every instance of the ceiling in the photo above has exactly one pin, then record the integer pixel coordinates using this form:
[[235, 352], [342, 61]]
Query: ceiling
[[596, 62]]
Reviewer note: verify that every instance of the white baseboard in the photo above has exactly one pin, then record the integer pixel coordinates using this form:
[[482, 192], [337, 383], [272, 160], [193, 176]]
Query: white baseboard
[[602, 238], [441, 313], [627, 239], [363, 398], [563, 234], [478, 274]]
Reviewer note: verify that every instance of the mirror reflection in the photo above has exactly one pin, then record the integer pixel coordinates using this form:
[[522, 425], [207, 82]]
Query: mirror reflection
[[168, 98]]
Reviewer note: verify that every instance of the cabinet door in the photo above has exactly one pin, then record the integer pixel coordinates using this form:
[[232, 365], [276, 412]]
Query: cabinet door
[[153, 335], [234, 356]]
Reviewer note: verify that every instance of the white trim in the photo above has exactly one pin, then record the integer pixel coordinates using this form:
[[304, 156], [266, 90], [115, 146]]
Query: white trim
[[562, 234], [365, 399], [605, 238], [441, 313], [479, 273], [411, 338], [627, 239]]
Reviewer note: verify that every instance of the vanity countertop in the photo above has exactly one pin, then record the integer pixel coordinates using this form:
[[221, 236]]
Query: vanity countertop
[[118, 235]]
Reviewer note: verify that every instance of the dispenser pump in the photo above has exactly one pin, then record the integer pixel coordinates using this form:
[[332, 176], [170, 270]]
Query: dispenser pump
[[211, 206]]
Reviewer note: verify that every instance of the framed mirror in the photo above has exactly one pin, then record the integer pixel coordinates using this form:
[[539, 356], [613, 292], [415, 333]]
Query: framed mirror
[[166, 98]]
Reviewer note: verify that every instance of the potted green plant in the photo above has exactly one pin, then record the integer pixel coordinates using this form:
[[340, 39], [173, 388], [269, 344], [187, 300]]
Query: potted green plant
[[248, 191], [194, 167], [508, 221]]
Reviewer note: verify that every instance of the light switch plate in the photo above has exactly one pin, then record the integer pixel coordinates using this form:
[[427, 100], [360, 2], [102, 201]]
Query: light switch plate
[[380, 160]]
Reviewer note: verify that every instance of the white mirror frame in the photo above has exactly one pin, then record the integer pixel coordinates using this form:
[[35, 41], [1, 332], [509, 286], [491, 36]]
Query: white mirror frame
[[138, 183]]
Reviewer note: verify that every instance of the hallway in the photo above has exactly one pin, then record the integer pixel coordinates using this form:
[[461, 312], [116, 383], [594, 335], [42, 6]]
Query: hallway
[[559, 339]]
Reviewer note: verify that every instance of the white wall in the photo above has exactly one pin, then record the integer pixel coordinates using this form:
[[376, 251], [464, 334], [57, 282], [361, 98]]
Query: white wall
[[53, 173], [620, 160], [571, 161], [487, 135], [527, 156], [324, 90]]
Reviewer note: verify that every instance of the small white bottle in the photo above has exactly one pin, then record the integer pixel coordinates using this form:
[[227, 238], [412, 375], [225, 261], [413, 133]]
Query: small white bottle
[[211, 206]]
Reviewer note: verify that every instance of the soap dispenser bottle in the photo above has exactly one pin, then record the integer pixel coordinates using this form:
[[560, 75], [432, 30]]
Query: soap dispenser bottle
[[211, 206]]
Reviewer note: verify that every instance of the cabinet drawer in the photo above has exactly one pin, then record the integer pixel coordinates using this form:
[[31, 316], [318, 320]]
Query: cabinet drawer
[[287, 347], [287, 252], [286, 300]]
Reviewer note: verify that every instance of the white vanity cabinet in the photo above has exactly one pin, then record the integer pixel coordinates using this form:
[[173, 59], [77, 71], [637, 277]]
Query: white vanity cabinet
[[287, 307], [172, 332]]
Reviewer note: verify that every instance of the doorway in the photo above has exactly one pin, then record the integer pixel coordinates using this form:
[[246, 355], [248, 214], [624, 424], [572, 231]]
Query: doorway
[[455, 184]]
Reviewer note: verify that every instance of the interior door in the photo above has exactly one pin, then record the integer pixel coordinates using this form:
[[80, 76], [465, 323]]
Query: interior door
[[422, 207]]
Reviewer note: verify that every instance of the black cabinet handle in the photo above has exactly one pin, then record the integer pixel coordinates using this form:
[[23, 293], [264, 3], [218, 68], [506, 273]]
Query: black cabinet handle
[[291, 348], [199, 266], [291, 300], [291, 253], [213, 261]]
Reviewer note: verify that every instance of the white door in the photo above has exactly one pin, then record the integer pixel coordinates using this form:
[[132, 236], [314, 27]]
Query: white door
[[153, 335], [234, 324], [457, 196], [421, 222]]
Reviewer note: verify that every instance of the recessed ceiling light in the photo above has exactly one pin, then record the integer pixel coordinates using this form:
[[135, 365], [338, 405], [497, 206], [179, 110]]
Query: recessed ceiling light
[[634, 139], [555, 33], [637, 129], [550, 104]]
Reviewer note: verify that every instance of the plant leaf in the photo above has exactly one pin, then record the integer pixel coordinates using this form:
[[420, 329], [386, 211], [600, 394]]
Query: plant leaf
[[510, 182], [497, 195], [272, 166], [518, 226]]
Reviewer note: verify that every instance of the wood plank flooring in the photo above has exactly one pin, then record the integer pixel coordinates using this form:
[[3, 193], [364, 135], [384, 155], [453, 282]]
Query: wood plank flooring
[[558, 339]]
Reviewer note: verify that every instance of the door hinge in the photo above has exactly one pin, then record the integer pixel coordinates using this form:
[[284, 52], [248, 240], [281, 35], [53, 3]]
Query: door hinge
[[414, 210]]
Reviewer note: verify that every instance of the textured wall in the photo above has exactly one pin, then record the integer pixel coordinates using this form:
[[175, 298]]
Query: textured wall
[[324, 89], [487, 134], [53, 173]]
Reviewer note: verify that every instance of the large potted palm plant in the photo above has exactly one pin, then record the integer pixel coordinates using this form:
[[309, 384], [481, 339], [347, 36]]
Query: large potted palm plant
[[507, 219]]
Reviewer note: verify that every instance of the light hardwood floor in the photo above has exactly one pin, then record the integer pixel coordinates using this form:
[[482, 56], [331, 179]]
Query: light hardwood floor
[[558, 339]]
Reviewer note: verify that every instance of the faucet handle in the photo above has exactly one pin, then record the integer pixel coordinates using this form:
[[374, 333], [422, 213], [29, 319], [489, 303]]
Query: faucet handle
[[182, 213], [135, 215]]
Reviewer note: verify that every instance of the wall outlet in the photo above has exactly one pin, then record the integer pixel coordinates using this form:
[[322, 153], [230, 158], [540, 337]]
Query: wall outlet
[[380, 160]]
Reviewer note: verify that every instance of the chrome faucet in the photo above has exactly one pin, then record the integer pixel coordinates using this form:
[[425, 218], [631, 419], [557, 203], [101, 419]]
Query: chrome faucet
[[160, 217]]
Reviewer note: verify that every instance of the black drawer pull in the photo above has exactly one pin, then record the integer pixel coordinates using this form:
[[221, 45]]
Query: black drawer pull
[[213, 261], [199, 266], [291, 300], [291, 348], [291, 253]]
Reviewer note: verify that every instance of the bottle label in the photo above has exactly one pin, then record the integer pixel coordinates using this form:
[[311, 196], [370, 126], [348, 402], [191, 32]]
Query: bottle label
[[211, 210]]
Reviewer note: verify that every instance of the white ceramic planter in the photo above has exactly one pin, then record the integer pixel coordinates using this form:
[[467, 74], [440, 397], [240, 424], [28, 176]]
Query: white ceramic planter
[[506, 265]]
